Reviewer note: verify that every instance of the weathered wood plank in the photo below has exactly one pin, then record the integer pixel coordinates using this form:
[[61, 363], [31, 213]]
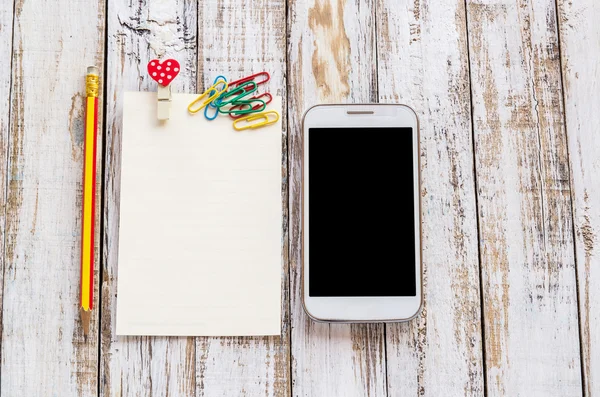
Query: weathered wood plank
[[331, 59], [6, 41], [43, 348], [141, 366], [525, 220], [238, 38], [580, 46], [423, 62]]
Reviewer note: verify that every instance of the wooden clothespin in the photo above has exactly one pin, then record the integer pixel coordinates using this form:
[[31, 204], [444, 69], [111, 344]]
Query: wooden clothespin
[[163, 72]]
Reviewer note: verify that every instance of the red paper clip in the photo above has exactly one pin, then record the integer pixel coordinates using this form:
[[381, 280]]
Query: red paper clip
[[251, 78], [255, 107]]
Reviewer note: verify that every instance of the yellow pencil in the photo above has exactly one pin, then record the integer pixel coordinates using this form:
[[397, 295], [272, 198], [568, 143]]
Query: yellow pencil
[[89, 197]]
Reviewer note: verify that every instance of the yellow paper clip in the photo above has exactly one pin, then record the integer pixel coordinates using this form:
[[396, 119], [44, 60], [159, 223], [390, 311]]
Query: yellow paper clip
[[213, 93], [253, 117]]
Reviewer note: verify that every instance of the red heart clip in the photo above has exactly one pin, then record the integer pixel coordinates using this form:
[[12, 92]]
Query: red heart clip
[[163, 72]]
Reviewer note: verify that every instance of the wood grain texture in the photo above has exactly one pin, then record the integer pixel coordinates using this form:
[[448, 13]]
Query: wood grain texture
[[236, 39], [43, 348], [331, 59], [140, 366], [580, 46], [423, 62], [6, 41], [529, 234], [526, 230]]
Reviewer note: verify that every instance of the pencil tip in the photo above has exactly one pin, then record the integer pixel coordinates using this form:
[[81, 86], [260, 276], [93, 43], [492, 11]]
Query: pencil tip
[[85, 322]]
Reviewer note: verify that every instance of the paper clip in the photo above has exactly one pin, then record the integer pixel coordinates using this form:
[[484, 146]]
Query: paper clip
[[211, 97], [253, 117], [212, 104], [238, 110], [255, 109], [243, 80], [237, 94]]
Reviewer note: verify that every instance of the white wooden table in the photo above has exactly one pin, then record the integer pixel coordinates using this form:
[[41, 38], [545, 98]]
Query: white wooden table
[[508, 95]]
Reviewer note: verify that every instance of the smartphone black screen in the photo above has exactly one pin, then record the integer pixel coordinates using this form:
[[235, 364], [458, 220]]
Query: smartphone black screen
[[361, 212]]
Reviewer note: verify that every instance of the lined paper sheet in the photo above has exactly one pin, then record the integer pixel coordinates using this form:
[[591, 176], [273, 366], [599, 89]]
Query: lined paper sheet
[[200, 224]]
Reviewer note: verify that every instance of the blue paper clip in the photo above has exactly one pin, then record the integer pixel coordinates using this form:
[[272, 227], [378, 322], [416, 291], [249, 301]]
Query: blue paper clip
[[212, 104]]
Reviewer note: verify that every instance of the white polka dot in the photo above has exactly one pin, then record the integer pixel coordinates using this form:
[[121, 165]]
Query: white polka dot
[[154, 74], [162, 75], [158, 67], [153, 64], [168, 63], [169, 77], [160, 81], [176, 69], [168, 69]]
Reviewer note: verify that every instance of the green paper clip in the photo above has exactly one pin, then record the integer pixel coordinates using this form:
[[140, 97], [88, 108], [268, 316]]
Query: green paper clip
[[238, 93], [245, 107]]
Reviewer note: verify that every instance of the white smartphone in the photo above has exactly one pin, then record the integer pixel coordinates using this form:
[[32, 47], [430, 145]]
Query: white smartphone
[[361, 256]]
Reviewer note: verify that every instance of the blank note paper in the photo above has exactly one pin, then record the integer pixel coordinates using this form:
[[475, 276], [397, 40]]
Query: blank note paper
[[200, 224]]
